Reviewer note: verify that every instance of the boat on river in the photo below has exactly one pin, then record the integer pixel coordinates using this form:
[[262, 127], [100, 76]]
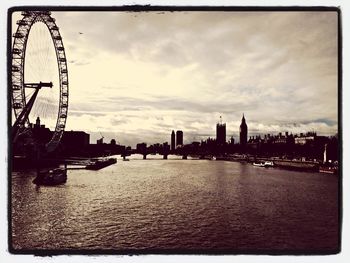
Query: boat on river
[[328, 169], [264, 164], [51, 177], [100, 163], [269, 164]]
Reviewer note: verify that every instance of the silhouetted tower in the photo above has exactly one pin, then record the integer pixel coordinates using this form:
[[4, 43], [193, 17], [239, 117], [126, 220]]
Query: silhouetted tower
[[243, 132], [179, 138], [37, 123], [220, 133], [172, 140]]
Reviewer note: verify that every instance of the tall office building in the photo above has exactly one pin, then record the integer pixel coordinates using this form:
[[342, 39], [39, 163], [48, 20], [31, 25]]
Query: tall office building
[[221, 133], [179, 138], [172, 141], [243, 132], [75, 139]]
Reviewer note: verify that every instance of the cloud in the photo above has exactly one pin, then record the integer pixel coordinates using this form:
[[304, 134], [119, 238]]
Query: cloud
[[182, 70]]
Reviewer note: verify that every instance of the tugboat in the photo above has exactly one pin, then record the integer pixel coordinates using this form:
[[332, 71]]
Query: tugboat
[[101, 163], [51, 177]]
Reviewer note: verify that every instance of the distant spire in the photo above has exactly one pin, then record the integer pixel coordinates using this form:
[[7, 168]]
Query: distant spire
[[243, 119]]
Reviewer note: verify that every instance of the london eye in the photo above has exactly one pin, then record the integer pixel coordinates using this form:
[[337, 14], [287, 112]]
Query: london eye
[[39, 76]]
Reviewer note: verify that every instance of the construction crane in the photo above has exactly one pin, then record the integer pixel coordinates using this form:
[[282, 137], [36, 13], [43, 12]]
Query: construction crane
[[100, 141]]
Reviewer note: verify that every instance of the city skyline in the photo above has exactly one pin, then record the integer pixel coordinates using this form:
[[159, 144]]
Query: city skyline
[[154, 72], [173, 141]]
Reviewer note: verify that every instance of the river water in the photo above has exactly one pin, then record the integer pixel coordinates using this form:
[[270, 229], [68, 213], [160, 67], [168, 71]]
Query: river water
[[181, 205]]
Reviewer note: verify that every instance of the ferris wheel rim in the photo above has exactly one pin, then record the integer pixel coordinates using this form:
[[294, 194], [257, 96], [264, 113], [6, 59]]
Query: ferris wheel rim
[[17, 69]]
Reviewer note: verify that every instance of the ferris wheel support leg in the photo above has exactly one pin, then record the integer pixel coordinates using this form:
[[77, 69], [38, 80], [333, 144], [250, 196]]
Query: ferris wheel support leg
[[24, 115]]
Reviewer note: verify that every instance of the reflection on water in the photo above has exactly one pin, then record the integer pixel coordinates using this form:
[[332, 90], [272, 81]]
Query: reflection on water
[[177, 204]]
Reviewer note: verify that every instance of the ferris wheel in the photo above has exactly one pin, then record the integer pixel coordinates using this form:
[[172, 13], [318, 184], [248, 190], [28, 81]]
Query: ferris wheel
[[27, 101]]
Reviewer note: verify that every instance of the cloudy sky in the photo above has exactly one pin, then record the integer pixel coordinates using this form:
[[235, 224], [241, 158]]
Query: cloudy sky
[[137, 76]]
